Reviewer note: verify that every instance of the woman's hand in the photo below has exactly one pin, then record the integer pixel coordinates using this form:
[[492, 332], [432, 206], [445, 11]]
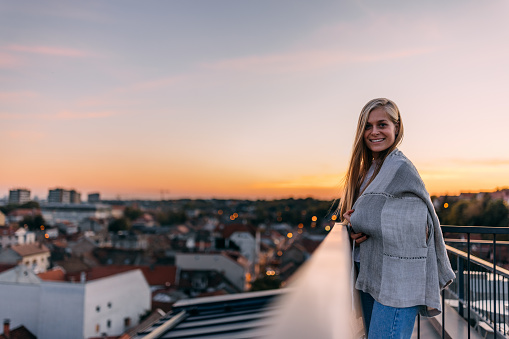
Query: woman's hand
[[357, 237]]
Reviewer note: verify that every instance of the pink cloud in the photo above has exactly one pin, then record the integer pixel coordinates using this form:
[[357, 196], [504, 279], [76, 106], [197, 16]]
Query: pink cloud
[[7, 60], [308, 60], [47, 50], [68, 115], [63, 115]]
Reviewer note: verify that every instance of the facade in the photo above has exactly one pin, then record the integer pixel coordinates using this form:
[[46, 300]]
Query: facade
[[19, 196], [233, 270], [94, 198], [74, 213], [33, 256], [51, 307], [60, 195], [10, 237]]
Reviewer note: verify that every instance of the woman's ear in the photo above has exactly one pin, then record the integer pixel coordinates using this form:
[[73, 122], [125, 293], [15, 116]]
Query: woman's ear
[[397, 129]]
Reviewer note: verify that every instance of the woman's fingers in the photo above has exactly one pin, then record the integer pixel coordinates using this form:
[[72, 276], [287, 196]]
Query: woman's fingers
[[358, 237]]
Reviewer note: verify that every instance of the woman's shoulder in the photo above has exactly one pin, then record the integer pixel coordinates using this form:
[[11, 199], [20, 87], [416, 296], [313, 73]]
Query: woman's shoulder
[[397, 159]]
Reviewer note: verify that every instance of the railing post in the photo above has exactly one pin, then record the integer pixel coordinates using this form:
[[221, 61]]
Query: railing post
[[468, 282], [461, 286], [495, 285]]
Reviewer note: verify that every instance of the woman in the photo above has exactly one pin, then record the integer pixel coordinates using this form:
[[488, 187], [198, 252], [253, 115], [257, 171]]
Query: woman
[[403, 262]]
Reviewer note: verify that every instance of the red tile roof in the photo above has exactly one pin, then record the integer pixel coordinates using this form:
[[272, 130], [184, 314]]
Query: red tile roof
[[30, 249], [56, 274], [228, 229], [157, 275]]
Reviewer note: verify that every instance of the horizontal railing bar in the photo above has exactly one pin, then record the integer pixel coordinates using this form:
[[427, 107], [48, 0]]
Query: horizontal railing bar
[[479, 261], [475, 229]]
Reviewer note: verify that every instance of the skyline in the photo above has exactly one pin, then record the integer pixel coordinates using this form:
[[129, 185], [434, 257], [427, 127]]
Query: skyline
[[250, 100]]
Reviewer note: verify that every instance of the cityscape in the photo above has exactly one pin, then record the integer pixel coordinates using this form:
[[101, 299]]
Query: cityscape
[[97, 252], [173, 169]]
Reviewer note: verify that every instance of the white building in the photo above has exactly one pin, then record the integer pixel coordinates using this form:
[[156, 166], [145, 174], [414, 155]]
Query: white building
[[11, 237], [75, 213], [60, 309], [234, 270], [33, 256]]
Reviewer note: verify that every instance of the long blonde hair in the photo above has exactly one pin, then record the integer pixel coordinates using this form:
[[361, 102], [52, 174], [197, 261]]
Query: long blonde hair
[[362, 157]]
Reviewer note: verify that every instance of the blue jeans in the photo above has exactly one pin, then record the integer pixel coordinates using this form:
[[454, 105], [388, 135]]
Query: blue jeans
[[391, 322]]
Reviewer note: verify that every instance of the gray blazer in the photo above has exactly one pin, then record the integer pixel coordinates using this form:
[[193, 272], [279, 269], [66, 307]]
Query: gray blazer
[[399, 266]]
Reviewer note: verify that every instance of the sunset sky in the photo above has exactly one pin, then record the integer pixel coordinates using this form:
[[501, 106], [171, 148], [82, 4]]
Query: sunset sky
[[246, 99]]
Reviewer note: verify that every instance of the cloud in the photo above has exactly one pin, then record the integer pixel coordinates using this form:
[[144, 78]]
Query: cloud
[[309, 60], [63, 115], [17, 96], [48, 50], [8, 60], [24, 135]]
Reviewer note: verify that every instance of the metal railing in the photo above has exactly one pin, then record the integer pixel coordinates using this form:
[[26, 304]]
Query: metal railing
[[481, 287]]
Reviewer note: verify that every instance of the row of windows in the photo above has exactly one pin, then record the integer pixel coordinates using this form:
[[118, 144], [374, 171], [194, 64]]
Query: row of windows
[[98, 308], [127, 323]]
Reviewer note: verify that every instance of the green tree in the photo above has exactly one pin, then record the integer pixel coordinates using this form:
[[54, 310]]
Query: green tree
[[121, 224], [132, 213], [33, 222]]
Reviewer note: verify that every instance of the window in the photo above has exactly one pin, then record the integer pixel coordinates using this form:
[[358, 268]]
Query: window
[[108, 323], [109, 304], [97, 328], [98, 308], [127, 322]]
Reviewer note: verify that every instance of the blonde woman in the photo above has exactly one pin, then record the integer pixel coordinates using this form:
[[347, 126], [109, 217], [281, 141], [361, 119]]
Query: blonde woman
[[401, 259]]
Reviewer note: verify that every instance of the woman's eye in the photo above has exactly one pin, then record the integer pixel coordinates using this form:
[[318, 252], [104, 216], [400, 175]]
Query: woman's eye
[[382, 125], [368, 127]]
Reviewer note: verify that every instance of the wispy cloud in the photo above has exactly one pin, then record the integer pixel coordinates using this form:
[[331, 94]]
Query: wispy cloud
[[63, 115], [48, 50], [8, 60], [308, 60]]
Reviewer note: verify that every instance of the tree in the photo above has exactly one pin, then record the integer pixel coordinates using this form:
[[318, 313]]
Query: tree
[[33, 222], [121, 224]]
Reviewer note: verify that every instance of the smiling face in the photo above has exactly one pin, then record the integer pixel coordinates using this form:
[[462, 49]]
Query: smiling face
[[380, 132]]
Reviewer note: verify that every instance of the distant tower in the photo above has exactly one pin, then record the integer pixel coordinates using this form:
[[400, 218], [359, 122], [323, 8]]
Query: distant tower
[[19, 196], [64, 196], [94, 198]]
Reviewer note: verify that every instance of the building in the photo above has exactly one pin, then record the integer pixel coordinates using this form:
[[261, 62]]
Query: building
[[19, 196], [33, 256], [50, 306], [60, 195], [9, 236], [74, 213], [234, 268], [94, 198], [2, 219]]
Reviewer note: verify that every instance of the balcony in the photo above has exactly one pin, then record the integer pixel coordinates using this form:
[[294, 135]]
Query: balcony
[[319, 303]]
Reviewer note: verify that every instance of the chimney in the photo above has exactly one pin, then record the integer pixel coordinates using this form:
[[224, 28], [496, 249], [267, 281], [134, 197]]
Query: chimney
[[7, 330]]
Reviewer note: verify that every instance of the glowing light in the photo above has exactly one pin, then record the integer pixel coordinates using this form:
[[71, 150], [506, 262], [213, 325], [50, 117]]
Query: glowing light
[[46, 236], [314, 218], [446, 205], [301, 225], [235, 215], [279, 253], [220, 212], [334, 217], [327, 228], [299, 231], [232, 217], [289, 235], [42, 227], [279, 219]]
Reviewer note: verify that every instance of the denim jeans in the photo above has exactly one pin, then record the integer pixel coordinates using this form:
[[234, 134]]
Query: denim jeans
[[391, 322]]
